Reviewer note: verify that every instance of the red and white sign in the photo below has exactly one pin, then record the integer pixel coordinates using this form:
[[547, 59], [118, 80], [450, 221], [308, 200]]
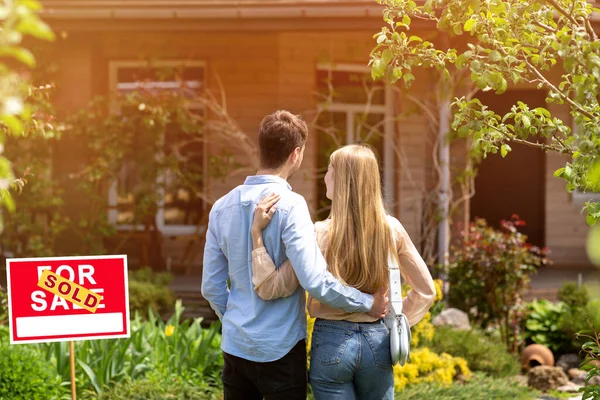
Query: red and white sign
[[37, 314]]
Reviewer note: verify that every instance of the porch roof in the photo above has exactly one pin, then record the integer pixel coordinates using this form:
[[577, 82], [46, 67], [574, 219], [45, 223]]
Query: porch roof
[[208, 9]]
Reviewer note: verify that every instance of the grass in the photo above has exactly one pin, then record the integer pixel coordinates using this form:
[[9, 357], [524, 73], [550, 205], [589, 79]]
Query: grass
[[560, 395], [479, 386], [483, 353]]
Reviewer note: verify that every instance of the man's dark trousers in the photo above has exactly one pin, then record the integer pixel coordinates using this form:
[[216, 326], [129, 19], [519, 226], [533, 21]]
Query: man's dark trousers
[[283, 379]]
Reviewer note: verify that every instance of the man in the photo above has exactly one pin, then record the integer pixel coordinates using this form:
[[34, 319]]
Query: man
[[264, 341]]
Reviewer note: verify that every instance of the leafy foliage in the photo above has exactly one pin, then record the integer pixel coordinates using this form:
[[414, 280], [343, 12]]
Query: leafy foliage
[[488, 272], [129, 131], [573, 296], [19, 19], [482, 352], [580, 319], [175, 351], [152, 142], [150, 291], [186, 351], [34, 233], [511, 42], [543, 324], [24, 374], [591, 363]]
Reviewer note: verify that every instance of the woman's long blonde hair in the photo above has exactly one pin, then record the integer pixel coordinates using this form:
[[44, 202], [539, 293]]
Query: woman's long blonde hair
[[360, 238]]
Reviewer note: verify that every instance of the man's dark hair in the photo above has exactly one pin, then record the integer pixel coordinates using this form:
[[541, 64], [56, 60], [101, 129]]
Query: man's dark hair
[[278, 135]]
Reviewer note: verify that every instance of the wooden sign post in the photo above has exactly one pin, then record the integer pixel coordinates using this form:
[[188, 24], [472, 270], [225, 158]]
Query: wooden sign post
[[72, 356]]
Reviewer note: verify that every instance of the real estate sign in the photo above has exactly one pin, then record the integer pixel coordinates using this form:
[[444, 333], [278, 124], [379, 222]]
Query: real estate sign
[[67, 298]]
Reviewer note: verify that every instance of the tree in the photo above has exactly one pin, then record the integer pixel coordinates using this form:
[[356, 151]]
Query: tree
[[512, 41], [19, 111], [150, 144]]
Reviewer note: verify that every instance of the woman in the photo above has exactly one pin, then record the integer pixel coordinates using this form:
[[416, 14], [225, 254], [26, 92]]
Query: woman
[[350, 354]]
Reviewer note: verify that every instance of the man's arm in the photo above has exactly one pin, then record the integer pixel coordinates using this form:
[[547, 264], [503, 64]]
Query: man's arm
[[215, 272], [310, 266]]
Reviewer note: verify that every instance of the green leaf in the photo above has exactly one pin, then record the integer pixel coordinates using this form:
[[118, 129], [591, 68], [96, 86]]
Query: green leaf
[[35, 28], [377, 71], [8, 201], [386, 57], [18, 53], [396, 74], [504, 149], [502, 87], [591, 221], [406, 20], [495, 56], [13, 124], [469, 24], [91, 375], [526, 121], [408, 78]]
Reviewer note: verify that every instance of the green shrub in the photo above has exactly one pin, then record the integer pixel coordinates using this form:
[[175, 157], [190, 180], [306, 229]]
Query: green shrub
[[591, 349], [478, 387], [543, 325], [580, 320], [146, 274], [572, 296], [144, 296], [175, 349], [182, 348], [150, 290], [24, 374], [482, 352], [488, 272]]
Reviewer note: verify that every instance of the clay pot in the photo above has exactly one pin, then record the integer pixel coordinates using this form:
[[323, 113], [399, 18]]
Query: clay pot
[[536, 354]]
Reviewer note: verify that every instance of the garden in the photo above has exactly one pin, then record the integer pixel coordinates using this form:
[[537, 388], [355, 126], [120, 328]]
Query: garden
[[464, 347], [481, 339]]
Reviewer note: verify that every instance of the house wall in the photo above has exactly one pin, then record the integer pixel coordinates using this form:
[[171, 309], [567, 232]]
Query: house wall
[[260, 72], [566, 229]]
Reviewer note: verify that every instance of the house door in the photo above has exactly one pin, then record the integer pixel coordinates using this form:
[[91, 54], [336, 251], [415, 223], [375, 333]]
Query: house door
[[515, 184]]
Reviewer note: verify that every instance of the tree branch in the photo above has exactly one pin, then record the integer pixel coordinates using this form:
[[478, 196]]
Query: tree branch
[[562, 11], [546, 27], [541, 146], [590, 30], [566, 98]]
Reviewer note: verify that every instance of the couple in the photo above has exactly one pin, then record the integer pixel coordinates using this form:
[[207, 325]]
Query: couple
[[263, 224]]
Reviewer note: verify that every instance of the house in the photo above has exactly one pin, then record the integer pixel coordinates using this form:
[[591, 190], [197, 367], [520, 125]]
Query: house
[[288, 54]]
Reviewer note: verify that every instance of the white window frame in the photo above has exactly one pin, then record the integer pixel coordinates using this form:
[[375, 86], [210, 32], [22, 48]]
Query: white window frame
[[351, 109], [167, 230]]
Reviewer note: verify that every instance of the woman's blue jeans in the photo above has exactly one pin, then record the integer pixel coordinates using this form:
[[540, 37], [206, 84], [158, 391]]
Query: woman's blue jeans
[[351, 361]]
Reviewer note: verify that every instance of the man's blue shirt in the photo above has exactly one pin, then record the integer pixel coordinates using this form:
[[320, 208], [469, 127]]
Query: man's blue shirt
[[255, 329]]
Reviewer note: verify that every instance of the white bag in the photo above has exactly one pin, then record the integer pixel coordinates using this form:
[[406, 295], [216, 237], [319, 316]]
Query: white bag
[[395, 320]]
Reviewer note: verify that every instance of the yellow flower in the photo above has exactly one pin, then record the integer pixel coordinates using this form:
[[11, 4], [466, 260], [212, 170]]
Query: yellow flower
[[427, 366], [169, 330], [439, 289]]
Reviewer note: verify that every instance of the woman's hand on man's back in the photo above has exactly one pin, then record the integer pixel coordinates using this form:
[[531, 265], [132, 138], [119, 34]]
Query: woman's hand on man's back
[[264, 212]]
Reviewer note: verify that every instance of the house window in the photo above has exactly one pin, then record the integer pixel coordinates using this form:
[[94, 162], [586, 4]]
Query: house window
[[179, 210], [353, 109]]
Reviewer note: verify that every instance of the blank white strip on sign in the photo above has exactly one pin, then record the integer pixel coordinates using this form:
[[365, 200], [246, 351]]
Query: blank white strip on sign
[[69, 325]]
